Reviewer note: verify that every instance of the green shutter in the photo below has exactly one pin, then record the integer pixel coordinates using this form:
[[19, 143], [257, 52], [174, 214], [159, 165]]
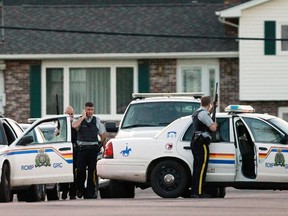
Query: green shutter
[[35, 91], [143, 77], [270, 32]]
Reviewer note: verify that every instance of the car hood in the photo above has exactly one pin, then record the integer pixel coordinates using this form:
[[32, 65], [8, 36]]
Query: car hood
[[138, 132]]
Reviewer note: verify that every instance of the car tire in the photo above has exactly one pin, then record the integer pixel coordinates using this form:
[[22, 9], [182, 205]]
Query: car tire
[[21, 196], [35, 193], [5, 192], [169, 179], [222, 192], [105, 192], [216, 192], [121, 189], [54, 193]]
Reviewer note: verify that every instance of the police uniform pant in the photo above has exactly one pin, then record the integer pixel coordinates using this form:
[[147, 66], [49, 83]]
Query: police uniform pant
[[200, 151], [70, 187], [86, 158]]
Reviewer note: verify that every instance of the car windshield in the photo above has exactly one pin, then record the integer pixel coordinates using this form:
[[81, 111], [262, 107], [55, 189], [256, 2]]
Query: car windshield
[[155, 114], [280, 123], [263, 132]]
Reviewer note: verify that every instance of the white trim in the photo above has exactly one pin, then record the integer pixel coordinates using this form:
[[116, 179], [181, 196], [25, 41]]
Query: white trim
[[66, 64], [237, 10], [282, 111], [205, 65], [233, 54], [279, 24]]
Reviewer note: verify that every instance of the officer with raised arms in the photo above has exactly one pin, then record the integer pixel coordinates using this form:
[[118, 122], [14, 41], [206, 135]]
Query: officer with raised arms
[[203, 126], [88, 128]]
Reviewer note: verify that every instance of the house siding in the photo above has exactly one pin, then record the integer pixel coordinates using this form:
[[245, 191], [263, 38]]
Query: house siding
[[162, 75], [262, 77], [17, 89]]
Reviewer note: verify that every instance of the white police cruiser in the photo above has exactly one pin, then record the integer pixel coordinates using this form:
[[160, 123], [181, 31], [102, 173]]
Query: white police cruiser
[[32, 161], [145, 116], [248, 151]]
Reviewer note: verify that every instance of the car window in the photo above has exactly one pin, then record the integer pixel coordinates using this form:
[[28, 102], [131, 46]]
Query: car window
[[157, 113], [16, 127], [9, 133], [38, 137], [1, 136], [262, 131], [221, 135], [48, 130], [50, 127], [280, 124]]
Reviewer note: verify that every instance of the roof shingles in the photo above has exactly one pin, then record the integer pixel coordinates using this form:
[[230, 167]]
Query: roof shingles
[[186, 19]]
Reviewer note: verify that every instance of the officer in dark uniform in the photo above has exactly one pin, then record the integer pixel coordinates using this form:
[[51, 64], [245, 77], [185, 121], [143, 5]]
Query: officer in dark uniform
[[70, 187], [88, 146], [201, 138]]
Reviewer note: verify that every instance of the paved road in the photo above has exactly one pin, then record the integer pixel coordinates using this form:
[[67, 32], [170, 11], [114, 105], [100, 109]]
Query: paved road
[[236, 202]]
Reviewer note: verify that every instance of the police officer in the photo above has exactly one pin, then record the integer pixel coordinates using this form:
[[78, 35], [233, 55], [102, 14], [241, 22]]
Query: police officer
[[71, 187], [88, 146], [201, 138]]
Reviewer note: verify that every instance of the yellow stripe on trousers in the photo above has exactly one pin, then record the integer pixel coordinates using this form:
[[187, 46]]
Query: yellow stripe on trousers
[[202, 170]]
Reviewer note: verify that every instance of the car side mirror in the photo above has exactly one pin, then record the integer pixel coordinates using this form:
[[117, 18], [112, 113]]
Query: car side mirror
[[285, 139], [111, 127], [26, 140]]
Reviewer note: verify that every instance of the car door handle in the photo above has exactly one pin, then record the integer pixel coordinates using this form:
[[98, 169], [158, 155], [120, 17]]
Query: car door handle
[[65, 149], [263, 148], [187, 147]]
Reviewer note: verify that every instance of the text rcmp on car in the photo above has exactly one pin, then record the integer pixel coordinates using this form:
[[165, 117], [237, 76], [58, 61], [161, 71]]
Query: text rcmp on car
[[248, 151]]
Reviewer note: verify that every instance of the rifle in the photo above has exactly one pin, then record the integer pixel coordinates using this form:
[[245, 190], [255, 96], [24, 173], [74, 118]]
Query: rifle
[[57, 111], [215, 103]]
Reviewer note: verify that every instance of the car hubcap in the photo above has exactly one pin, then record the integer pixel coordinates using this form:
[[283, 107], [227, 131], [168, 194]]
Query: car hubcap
[[169, 179]]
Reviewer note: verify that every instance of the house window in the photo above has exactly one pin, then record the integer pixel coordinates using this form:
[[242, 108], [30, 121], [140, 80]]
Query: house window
[[109, 87], [197, 78], [124, 87], [54, 84], [90, 84], [284, 35], [283, 113]]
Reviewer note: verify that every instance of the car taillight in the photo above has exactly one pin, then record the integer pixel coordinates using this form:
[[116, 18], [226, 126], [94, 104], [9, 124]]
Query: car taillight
[[108, 152]]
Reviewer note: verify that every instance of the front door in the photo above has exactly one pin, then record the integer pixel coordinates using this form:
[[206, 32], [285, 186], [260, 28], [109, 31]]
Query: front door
[[270, 155], [44, 159]]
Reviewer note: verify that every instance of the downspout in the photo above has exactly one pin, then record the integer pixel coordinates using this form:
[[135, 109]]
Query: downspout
[[2, 22], [222, 20]]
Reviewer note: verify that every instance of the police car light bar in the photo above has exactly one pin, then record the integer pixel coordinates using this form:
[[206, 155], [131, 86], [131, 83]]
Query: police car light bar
[[240, 109], [185, 94]]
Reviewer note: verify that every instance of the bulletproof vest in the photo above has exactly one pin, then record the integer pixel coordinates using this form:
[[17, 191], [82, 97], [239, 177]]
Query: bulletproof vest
[[88, 131], [199, 125], [74, 135]]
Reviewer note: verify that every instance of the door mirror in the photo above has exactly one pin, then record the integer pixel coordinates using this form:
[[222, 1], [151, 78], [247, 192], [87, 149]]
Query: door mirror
[[111, 127], [26, 140], [285, 139]]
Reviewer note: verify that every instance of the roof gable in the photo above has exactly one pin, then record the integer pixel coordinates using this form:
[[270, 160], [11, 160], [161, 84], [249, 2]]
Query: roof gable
[[235, 12]]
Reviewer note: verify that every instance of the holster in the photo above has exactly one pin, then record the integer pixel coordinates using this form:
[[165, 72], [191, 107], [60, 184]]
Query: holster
[[201, 139]]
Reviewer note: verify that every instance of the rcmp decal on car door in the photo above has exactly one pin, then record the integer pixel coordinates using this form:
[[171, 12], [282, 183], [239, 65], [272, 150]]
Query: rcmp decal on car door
[[42, 159], [274, 157]]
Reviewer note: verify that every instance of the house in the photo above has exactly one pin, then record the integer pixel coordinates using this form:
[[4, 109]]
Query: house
[[263, 65], [102, 51]]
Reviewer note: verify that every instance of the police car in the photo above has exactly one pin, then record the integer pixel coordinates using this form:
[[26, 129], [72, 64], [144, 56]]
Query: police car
[[145, 116], [29, 164], [248, 151]]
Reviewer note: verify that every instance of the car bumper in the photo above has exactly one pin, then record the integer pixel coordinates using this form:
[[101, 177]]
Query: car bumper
[[117, 169]]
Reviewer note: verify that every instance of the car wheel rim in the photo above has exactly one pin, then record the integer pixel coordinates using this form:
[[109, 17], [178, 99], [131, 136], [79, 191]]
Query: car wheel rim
[[168, 179]]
